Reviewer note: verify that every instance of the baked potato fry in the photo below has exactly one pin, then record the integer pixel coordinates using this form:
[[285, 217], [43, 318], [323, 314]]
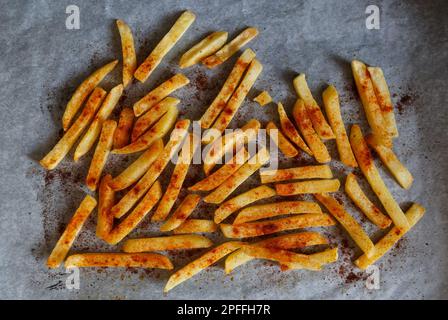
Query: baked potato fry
[[322, 258], [106, 199], [309, 186], [280, 140], [167, 243], [120, 260], [306, 172], [128, 52], [196, 226], [123, 131], [263, 98], [206, 47], [182, 213]]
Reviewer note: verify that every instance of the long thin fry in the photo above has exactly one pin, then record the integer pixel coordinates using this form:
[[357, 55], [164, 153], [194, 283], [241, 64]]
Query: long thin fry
[[196, 226], [309, 186], [123, 260], [306, 172], [279, 139], [179, 242], [106, 199], [128, 52], [206, 47], [123, 132], [322, 258], [182, 213]]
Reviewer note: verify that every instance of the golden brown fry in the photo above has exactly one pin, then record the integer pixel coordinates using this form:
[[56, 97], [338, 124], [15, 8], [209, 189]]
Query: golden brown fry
[[306, 172], [196, 226], [332, 108], [128, 52], [371, 211], [60, 150], [106, 199], [309, 186], [71, 232], [123, 260], [263, 98], [322, 258], [81, 93], [231, 48], [123, 132], [164, 46], [182, 213], [206, 47], [179, 242], [279, 139]]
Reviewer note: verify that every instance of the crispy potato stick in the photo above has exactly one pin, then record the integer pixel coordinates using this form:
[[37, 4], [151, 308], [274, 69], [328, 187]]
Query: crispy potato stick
[[280, 140], [123, 260], [314, 112], [255, 229], [60, 150], [383, 96], [128, 51], [388, 157], [201, 263], [309, 186], [222, 174], [94, 130], [413, 215], [102, 151], [162, 91], [196, 226], [231, 48], [123, 132], [242, 200], [206, 47], [81, 93], [317, 147], [306, 172], [150, 117], [138, 168], [164, 46], [332, 108], [269, 210], [241, 175], [179, 242], [349, 223], [227, 89], [182, 213], [368, 168], [71, 232], [106, 199], [370, 103], [158, 131], [290, 131], [322, 258], [137, 215], [263, 98], [371, 211], [176, 139]]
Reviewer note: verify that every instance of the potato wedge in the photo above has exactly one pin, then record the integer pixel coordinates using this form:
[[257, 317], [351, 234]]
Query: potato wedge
[[71, 231], [280, 141], [182, 213], [231, 48], [196, 226], [322, 258], [122, 260], [179, 242], [60, 150], [83, 91], [206, 47], [263, 98], [164, 46], [106, 199], [306, 172], [128, 52], [368, 168], [331, 102], [309, 186], [123, 131]]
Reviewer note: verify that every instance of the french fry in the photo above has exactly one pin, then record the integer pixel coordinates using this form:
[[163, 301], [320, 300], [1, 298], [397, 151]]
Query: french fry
[[371, 211], [241, 175], [314, 112], [106, 199], [413, 215], [102, 151], [368, 168], [130, 198], [145, 121], [370, 103], [123, 132], [71, 231], [332, 108], [322, 258], [231, 48], [290, 131], [383, 96], [81, 93], [349, 223], [242, 200], [128, 52], [158, 131], [255, 229], [279, 139], [94, 130], [263, 98], [122, 260], [138, 168], [206, 47], [389, 158], [227, 89], [270, 210], [306, 172], [60, 150], [201, 263], [164, 46], [196, 226], [309, 186], [317, 147], [179, 242], [159, 93], [182, 213]]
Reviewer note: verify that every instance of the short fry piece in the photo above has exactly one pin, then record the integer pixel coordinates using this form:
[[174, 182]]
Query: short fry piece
[[182, 213], [322, 258], [306, 172], [71, 232], [179, 242], [206, 47], [122, 260], [128, 51], [106, 199], [309, 186], [164, 46], [196, 226], [279, 139], [123, 132], [263, 98]]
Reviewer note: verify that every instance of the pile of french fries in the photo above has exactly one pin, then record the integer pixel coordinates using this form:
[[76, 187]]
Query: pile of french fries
[[154, 119]]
